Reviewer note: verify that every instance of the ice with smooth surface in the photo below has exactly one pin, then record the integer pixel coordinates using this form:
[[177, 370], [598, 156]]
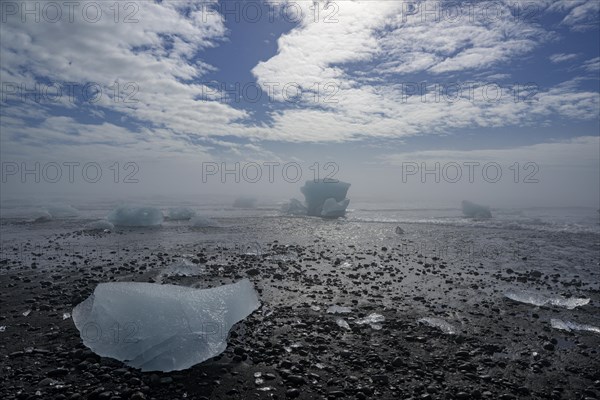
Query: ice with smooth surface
[[294, 207], [203, 222], [373, 320], [135, 216], [338, 310], [334, 209], [342, 323], [316, 192], [573, 326], [180, 213], [162, 327], [473, 210], [439, 323], [538, 299], [99, 225]]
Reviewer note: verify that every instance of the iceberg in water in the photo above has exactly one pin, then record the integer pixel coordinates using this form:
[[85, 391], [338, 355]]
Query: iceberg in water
[[294, 207], [439, 323], [334, 209], [203, 222], [41, 216], [572, 326], [180, 213], [245, 202], [539, 300], [473, 210], [63, 211], [162, 327], [99, 225], [135, 216], [317, 192]]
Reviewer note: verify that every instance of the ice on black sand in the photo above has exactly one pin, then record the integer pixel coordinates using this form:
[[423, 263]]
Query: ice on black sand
[[538, 299], [135, 216], [162, 327]]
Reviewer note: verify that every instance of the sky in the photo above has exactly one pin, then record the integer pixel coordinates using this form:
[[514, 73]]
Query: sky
[[410, 101]]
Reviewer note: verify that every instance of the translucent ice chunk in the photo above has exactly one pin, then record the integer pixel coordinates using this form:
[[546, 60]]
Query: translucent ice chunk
[[136, 216], [316, 192], [342, 323], [440, 324], [371, 319], [180, 213], [539, 300], [162, 327], [338, 310], [334, 209], [475, 210], [572, 326], [182, 268]]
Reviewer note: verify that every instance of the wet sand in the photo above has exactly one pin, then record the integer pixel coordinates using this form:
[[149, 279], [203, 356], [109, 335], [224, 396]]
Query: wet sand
[[291, 347]]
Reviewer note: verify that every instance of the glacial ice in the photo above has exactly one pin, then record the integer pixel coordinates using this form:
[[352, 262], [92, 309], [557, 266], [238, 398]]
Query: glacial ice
[[183, 267], [41, 216], [439, 323], [135, 216], [338, 310], [373, 320], [473, 210], [203, 222], [294, 207], [63, 211], [180, 213], [572, 326], [316, 192], [99, 225], [539, 300], [341, 322], [162, 327], [334, 209]]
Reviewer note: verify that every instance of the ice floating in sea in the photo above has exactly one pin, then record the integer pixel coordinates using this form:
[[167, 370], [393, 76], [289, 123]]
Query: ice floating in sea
[[180, 213], [66, 315], [342, 323], [2, 328], [135, 216], [440, 324], [338, 310], [539, 300], [373, 320], [316, 192], [294, 207], [100, 225], [41, 216], [572, 326], [162, 327], [334, 209], [26, 313], [203, 222], [475, 210], [182, 268]]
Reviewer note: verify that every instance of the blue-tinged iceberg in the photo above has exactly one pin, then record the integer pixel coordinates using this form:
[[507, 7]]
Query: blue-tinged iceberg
[[180, 213], [162, 327], [135, 216], [473, 210], [317, 192]]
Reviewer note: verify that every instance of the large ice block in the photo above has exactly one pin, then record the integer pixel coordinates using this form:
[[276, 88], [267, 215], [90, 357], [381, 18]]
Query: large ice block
[[135, 216], [475, 210], [162, 327], [334, 209], [316, 192]]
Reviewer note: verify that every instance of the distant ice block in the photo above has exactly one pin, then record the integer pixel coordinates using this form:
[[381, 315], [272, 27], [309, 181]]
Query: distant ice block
[[316, 192], [334, 209], [99, 226], [573, 326], [180, 213], [245, 202], [41, 216], [342, 323], [203, 222], [294, 207], [63, 211], [135, 216], [439, 323], [473, 210], [539, 300], [162, 327], [372, 320]]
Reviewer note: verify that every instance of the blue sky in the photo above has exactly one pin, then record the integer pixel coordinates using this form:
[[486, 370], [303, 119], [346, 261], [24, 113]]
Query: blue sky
[[356, 65]]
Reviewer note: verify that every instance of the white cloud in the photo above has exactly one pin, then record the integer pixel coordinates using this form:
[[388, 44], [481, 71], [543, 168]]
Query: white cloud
[[562, 57]]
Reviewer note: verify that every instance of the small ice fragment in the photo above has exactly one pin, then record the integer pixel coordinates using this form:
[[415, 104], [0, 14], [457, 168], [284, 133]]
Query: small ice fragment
[[342, 323], [66, 315], [399, 231], [2, 328], [180, 213], [26, 313], [345, 264], [265, 389], [101, 225], [539, 300], [182, 268], [338, 310], [372, 319], [162, 327], [440, 324], [377, 327], [572, 326], [259, 381], [257, 374], [319, 366], [135, 216], [203, 222], [315, 308]]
